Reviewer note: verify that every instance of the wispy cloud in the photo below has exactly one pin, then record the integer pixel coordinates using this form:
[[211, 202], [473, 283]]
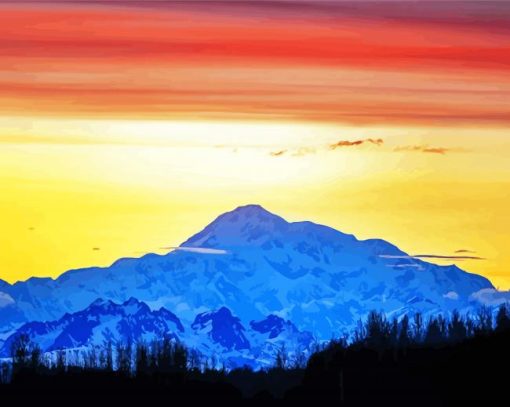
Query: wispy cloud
[[451, 295], [464, 251], [491, 296], [294, 151], [277, 153], [352, 143], [406, 265], [430, 256], [437, 256], [306, 150], [429, 149], [201, 250]]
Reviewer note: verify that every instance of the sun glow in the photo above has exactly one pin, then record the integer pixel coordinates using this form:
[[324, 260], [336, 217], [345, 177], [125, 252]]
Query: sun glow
[[85, 192]]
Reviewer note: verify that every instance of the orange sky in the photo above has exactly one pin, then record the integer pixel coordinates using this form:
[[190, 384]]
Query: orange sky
[[358, 65], [127, 126]]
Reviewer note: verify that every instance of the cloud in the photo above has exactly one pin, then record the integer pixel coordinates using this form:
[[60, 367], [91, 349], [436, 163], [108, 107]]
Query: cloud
[[5, 299], [437, 256], [431, 256], [406, 265], [352, 143], [96, 248], [451, 295], [201, 250], [464, 251], [306, 150], [429, 149], [277, 153], [491, 296]]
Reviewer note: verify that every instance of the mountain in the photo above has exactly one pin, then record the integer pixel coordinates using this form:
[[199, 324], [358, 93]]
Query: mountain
[[255, 264], [222, 328], [105, 323], [101, 322]]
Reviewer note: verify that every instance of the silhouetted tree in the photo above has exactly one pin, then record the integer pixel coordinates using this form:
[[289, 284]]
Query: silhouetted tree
[[282, 358], [109, 357], [36, 360], [418, 327], [154, 355], [142, 359], [21, 352], [470, 326], [377, 330], [61, 362], [484, 321], [180, 357], [165, 355], [503, 318], [394, 329], [434, 332], [5, 373], [404, 332], [359, 334], [124, 356], [194, 360], [299, 360], [457, 330], [90, 358]]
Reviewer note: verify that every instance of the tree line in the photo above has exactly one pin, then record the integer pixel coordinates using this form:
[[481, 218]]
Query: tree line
[[387, 347]]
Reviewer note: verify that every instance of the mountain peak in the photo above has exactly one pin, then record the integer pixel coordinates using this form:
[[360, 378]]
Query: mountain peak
[[100, 303], [251, 211], [242, 225]]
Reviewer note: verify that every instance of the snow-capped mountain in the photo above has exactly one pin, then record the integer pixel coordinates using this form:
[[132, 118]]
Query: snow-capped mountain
[[100, 323], [218, 332], [256, 264]]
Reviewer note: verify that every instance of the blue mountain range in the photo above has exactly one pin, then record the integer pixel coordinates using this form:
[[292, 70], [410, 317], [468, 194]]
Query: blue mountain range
[[247, 280]]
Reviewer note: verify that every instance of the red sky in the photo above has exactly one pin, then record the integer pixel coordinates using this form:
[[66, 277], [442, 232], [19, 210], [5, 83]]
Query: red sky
[[424, 63]]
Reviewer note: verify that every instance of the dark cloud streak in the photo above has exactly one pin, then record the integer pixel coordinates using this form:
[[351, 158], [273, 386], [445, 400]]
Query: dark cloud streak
[[428, 149], [430, 256], [277, 153], [353, 143]]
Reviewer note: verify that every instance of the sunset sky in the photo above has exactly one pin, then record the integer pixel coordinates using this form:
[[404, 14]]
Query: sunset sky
[[126, 127]]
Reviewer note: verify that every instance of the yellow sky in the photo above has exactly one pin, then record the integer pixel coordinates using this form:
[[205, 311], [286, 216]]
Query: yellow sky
[[78, 193]]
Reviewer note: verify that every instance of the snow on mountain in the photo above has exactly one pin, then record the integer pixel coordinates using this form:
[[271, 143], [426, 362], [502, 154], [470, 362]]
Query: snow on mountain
[[256, 264], [216, 332], [222, 328], [101, 322]]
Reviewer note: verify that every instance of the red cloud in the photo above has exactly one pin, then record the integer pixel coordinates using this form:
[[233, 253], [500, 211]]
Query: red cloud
[[349, 143], [428, 149]]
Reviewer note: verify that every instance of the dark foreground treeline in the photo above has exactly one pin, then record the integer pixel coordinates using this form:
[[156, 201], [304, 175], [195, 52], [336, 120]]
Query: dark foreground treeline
[[411, 362]]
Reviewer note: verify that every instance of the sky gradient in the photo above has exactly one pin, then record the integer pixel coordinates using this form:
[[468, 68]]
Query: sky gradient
[[127, 126]]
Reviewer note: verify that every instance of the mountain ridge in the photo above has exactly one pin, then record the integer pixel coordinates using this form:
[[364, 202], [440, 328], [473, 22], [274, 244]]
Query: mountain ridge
[[105, 324], [320, 279]]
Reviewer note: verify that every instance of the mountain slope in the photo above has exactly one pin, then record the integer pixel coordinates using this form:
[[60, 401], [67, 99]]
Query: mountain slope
[[101, 322], [256, 264], [217, 333]]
